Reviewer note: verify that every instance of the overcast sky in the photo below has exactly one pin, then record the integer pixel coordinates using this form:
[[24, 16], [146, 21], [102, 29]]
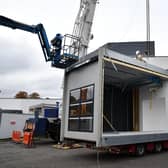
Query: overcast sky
[[22, 63]]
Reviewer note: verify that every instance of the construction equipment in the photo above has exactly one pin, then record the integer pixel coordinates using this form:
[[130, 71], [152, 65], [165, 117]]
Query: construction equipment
[[62, 54], [83, 25], [44, 126], [28, 139], [16, 136], [52, 52]]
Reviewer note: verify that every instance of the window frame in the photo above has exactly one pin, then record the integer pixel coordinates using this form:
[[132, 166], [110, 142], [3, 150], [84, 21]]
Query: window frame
[[82, 117]]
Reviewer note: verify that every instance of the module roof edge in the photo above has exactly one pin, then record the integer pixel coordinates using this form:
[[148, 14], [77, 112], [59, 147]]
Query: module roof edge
[[124, 58], [84, 60]]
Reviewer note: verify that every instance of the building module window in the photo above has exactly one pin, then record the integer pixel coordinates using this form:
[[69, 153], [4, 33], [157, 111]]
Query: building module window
[[81, 109]]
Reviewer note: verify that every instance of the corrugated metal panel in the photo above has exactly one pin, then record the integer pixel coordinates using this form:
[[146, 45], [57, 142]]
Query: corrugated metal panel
[[130, 48]]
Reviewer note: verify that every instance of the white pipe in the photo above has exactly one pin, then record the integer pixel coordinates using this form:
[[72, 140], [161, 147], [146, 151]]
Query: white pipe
[[147, 20]]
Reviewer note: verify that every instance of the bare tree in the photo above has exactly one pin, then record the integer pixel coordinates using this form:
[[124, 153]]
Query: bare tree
[[22, 94], [34, 95]]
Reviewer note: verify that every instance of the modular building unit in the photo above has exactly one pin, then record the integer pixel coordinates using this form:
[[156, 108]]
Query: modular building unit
[[10, 122], [111, 99], [24, 104]]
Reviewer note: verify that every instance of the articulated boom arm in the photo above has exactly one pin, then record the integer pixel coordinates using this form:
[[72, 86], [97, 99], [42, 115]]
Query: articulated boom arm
[[76, 44], [38, 29], [16, 25], [51, 52]]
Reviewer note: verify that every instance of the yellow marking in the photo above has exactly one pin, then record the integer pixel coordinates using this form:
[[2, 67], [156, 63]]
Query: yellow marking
[[135, 67]]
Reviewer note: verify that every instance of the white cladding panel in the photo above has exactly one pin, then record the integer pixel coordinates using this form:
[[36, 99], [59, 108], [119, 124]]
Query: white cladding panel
[[84, 76], [154, 108]]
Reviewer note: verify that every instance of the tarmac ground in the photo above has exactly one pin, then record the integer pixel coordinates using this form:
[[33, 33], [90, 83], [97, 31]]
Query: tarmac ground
[[44, 155]]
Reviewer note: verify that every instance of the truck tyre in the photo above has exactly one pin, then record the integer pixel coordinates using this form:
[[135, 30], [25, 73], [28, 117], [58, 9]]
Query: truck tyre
[[158, 147], [140, 150]]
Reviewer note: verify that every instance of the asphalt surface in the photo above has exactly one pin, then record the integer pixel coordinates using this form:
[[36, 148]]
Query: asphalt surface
[[45, 156]]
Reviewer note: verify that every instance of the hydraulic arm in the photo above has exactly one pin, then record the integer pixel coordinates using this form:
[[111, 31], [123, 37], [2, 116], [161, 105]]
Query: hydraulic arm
[[51, 52], [62, 54]]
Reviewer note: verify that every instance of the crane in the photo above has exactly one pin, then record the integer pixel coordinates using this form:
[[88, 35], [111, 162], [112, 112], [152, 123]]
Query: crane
[[83, 25], [62, 54]]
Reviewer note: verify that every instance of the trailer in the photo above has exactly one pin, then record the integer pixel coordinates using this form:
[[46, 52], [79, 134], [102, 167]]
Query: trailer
[[115, 102]]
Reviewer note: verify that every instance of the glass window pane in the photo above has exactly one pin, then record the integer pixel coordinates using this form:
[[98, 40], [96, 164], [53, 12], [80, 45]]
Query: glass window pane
[[81, 109], [87, 93], [74, 111], [86, 124], [87, 109], [73, 125], [75, 96]]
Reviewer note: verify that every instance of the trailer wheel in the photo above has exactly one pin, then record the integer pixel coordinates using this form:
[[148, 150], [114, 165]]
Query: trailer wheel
[[140, 150], [158, 147]]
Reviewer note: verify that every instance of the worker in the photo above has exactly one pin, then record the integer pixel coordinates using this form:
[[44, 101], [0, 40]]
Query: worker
[[57, 43]]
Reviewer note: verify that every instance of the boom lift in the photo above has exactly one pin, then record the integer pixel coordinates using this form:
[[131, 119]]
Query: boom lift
[[62, 54], [51, 52]]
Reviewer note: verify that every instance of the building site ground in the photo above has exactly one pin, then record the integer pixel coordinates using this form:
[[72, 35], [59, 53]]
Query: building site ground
[[44, 155]]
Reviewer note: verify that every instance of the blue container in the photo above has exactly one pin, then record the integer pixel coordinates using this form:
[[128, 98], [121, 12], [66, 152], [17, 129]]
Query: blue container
[[41, 126], [51, 112]]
